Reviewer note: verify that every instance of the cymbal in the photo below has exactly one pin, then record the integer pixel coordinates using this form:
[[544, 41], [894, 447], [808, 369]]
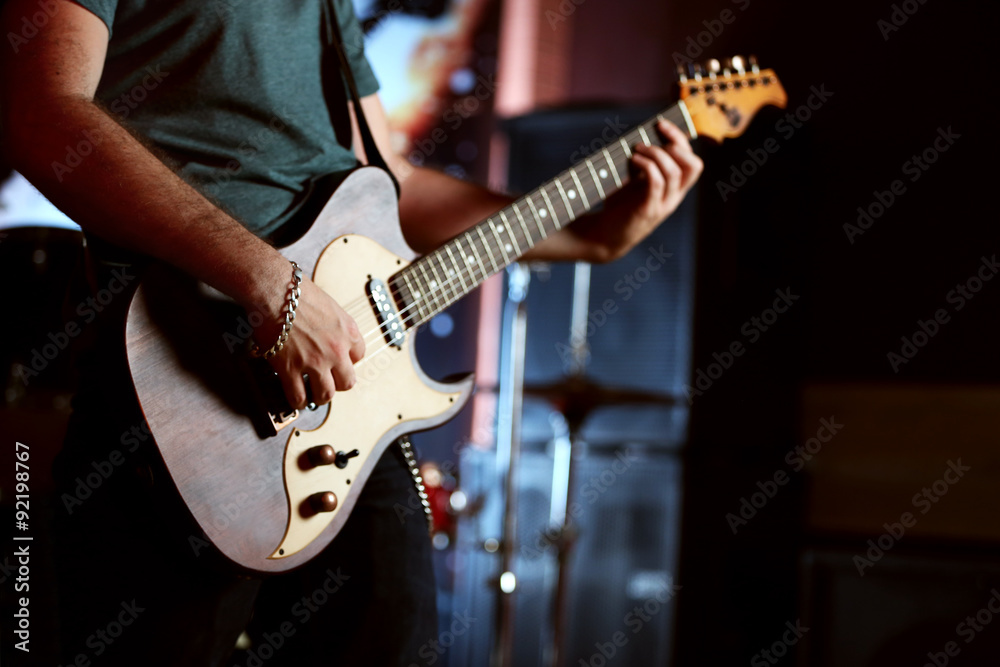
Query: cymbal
[[578, 396]]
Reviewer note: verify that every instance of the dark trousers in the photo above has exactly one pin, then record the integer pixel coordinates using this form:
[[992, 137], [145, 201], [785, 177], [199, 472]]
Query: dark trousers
[[133, 591]]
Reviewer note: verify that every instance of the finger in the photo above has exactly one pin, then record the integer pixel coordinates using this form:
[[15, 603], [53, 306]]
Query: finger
[[679, 148], [357, 342], [674, 136], [667, 166], [323, 386], [650, 172], [343, 368], [293, 386]]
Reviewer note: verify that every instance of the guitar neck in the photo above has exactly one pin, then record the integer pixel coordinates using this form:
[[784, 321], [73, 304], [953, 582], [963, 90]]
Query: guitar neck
[[435, 281]]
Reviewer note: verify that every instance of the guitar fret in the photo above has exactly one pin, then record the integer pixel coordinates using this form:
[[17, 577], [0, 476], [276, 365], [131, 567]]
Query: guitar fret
[[541, 230], [506, 257], [645, 137], [512, 237], [493, 260], [414, 296], [628, 151], [548, 206], [614, 170], [527, 235], [456, 269], [562, 193], [597, 182], [579, 187], [429, 284], [478, 259], [441, 283]]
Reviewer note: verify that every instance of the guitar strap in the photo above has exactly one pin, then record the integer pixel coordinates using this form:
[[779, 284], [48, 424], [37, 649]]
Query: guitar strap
[[371, 150]]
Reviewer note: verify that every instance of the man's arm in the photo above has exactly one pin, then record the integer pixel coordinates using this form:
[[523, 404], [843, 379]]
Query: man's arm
[[124, 194], [435, 207]]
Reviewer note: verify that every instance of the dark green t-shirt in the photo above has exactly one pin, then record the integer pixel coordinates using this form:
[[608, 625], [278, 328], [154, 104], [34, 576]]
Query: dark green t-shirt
[[232, 93]]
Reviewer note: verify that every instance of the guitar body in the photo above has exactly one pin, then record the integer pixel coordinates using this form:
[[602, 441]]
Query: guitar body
[[269, 496], [246, 486]]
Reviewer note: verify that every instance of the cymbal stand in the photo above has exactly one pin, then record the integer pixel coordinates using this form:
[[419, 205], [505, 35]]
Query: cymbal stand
[[509, 407], [563, 466]]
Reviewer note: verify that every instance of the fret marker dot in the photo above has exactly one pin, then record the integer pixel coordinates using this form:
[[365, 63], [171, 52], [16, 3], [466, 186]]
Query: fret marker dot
[[542, 212], [571, 194], [470, 260], [434, 284], [508, 247], [603, 173]]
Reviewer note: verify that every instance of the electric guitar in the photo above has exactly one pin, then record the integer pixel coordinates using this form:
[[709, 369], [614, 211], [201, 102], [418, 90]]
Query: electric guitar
[[270, 488]]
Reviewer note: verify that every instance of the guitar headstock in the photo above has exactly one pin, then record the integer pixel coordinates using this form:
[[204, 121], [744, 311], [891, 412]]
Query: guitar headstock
[[722, 98]]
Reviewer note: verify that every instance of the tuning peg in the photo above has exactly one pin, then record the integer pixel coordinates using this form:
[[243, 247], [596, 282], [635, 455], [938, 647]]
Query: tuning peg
[[681, 74], [697, 72], [753, 65], [738, 64], [713, 67]]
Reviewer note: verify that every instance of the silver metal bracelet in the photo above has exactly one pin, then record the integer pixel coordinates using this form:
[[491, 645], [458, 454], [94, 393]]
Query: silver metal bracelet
[[294, 292]]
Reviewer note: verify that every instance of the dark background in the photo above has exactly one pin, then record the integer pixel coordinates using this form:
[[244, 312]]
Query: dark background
[[784, 229]]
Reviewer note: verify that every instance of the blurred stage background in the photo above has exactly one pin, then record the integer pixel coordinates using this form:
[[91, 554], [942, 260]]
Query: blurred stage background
[[762, 493]]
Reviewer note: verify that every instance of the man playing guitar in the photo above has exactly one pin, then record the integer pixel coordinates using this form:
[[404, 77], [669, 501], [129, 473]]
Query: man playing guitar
[[154, 99]]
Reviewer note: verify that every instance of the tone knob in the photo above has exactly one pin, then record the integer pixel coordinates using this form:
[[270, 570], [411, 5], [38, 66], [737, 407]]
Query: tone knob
[[342, 458], [323, 455], [323, 502]]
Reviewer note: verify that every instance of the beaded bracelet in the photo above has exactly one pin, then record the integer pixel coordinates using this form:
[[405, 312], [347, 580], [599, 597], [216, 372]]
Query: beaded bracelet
[[286, 327]]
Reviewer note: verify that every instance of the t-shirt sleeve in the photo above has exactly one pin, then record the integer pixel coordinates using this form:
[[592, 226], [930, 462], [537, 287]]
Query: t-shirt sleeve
[[103, 9], [354, 48]]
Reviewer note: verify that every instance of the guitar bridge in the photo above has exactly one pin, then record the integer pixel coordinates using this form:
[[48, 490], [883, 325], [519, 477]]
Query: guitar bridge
[[385, 310]]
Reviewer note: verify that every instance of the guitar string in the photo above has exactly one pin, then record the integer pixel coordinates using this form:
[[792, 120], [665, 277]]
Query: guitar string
[[616, 150], [359, 306]]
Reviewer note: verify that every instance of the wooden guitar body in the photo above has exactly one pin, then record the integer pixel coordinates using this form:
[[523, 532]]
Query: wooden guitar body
[[247, 488]]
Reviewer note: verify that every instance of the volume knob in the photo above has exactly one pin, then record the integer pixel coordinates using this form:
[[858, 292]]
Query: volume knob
[[322, 455], [323, 502]]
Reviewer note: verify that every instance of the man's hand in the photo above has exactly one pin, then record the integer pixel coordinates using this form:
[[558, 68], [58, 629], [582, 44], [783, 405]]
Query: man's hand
[[324, 344], [661, 179]]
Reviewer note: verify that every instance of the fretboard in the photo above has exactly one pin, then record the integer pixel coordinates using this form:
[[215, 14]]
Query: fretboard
[[442, 277]]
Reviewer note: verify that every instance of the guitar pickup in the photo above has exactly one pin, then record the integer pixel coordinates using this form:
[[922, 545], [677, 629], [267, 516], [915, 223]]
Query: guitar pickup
[[385, 311]]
